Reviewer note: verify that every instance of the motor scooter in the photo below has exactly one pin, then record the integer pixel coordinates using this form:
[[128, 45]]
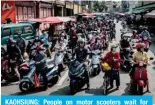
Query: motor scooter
[[140, 78], [60, 52], [8, 74], [32, 80], [95, 62], [4, 69], [126, 54], [76, 75]]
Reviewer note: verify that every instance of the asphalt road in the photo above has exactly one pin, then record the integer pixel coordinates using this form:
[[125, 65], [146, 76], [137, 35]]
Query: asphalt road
[[62, 87]]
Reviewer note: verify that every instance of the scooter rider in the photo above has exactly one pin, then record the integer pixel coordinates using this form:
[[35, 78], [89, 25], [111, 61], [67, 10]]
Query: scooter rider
[[15, 56], [113, 59], [21, 43], [82, 55], [135, 35], [41, 67], [96, 45], [145, 33], [140, 55]]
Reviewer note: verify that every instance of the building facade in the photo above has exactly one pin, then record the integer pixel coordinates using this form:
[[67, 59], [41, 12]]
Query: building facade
[[25, 10]]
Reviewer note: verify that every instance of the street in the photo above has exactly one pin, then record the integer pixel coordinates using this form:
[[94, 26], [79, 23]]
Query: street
[[62, 87]]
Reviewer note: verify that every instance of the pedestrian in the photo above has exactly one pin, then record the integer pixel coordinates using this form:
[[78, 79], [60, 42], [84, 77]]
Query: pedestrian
[[113, 59]]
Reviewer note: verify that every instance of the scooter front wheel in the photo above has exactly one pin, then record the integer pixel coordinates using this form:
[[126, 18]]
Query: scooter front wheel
[[140, 90], [25, 86]]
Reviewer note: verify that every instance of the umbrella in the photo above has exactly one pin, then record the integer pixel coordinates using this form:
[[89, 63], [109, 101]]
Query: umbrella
[[90, 16], [52, 20], [65, 19], [150, 14], [122, 14]]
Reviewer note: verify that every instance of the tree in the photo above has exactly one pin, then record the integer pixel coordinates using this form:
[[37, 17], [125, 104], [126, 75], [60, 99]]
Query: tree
[[99, 6]]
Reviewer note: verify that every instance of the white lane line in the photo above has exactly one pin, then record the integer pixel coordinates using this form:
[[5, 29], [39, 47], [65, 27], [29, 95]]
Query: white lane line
[[62, 79]]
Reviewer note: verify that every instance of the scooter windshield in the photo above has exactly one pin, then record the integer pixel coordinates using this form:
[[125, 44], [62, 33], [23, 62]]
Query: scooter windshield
[[76, 68]]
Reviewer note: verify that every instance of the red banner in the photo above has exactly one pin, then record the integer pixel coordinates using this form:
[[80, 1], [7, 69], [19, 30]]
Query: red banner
[[8, 11]]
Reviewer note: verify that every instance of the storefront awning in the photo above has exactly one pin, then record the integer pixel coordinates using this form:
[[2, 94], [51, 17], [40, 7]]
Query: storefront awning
[[89, 16], [147, 6], [66, 19], [51, 20], [150, 14], [143, 9], [139, 10]]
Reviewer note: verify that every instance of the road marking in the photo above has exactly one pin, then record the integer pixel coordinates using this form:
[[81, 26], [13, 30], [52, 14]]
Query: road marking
[[62, 79]]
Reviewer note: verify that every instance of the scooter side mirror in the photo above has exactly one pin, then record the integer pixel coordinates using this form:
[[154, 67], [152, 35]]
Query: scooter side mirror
[[151, 58]]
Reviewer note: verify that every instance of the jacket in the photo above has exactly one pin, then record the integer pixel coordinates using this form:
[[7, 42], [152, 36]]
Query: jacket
[[21, 43], [42, 59], [81, 55], [109, 59]]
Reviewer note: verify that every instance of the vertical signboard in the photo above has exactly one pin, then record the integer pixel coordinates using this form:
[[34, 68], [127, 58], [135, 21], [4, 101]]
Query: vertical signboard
[[8, 11]]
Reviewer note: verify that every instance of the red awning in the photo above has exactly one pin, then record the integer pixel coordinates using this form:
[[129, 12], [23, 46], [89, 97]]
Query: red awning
[[52, 20], [122, 14]]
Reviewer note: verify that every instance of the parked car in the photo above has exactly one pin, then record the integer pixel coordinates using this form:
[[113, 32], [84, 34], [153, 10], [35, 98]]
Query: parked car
[[27, 30]]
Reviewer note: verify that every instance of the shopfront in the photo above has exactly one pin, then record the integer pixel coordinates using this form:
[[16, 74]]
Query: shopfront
[[59, 8], [25, 10], [69, 8], [46, 9], [76, 9]]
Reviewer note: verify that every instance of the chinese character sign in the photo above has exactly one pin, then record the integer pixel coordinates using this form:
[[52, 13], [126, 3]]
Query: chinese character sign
[[8, 11]]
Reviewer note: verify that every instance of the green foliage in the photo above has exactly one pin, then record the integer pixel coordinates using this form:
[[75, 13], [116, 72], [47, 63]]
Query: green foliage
[[99, 6]]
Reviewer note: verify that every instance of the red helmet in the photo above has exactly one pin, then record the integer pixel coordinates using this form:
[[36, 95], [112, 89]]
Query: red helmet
[[139, 45]]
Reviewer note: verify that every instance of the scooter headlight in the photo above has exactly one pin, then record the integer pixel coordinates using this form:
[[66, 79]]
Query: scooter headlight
[[140, 64]]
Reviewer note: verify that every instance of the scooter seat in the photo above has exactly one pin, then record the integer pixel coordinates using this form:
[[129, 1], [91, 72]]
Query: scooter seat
[[50, 66]]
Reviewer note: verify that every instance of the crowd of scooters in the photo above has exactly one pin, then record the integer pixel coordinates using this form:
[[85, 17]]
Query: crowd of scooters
[[80, 47]]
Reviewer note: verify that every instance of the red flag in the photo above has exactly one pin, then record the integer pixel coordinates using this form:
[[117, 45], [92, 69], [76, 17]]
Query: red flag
[[8, 11]]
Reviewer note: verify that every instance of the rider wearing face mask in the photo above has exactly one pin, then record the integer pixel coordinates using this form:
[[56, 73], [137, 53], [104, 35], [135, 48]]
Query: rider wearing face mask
[[15, 56], [135, 35], [140, 55], [113, 59], [41, 66], [81, 54], [96, 45], [21, 43], [145, 33], [125, 42]]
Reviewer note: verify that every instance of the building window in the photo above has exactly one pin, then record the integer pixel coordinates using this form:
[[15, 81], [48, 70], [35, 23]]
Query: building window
[[20, 13], [49, 12], [30, 12], [28, 30], [6, 32], [41, 13], [25, 13]]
